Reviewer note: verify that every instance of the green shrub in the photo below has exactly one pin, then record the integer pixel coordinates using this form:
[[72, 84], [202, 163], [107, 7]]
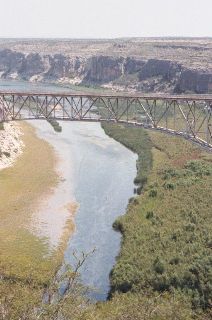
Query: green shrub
[[161, 283], [165, 224], [199, 167], [175, 261], [149, 214], [170, 173], [190, 227], [153, 193], [118, 226], [1, 125], [158, 266], [55, 125], [169, 186]]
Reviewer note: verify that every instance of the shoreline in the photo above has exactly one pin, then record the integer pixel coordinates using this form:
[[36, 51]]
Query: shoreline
[[55, 214], [148, 224], [25, 184], [179, 172]]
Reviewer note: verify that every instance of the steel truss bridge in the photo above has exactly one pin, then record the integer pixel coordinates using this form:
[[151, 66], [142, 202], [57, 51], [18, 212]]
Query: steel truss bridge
[[189, 115]]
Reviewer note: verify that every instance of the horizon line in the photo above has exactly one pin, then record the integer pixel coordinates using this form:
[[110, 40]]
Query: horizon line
[[104, 38]]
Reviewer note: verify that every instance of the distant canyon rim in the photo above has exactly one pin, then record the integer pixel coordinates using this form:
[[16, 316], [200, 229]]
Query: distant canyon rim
[[171, 65]]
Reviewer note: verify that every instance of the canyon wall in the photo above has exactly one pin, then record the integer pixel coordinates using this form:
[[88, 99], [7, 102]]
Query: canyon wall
[[121, 72]]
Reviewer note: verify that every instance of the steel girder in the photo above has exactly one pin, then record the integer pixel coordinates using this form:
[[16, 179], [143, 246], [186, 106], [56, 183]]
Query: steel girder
[[189, 116]]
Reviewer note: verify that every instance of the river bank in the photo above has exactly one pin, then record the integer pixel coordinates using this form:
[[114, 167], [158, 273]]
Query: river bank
[[11, 144], [87, 154], [163, 269], [26, 260], [31, 231]]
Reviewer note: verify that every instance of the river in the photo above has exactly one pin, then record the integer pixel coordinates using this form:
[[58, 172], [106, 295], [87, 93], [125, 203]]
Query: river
[[96, 177]]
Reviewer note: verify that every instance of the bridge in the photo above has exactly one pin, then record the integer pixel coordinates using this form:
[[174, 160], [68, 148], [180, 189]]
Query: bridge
[[187, 115]]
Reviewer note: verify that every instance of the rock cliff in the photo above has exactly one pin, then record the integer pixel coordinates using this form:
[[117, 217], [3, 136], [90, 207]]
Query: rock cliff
[[158, 69]]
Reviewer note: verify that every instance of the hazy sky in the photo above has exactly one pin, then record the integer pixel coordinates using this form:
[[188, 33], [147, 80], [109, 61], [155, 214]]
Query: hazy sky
[[105, 18]]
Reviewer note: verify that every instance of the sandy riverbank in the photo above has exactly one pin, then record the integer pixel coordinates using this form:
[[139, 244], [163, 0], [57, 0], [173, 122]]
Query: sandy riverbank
[[29, 178], [26, 257]]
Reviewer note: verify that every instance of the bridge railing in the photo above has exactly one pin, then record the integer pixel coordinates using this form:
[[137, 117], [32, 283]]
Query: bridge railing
[[189, 116]]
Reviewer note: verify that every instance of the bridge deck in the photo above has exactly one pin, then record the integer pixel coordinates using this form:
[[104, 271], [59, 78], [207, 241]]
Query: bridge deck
[[120, 95], [189, 115]]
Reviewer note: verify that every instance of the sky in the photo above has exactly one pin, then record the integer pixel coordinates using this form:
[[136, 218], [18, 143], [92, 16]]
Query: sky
[[105, 18]]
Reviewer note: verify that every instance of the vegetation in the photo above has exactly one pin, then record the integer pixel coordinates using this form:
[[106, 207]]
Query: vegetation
[[141, 144], [26, 265], [1, 126], [55, 124], [166, 243], [165, 263]]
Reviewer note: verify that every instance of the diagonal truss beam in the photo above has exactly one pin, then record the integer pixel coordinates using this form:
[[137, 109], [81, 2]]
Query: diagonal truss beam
[[192, 116]]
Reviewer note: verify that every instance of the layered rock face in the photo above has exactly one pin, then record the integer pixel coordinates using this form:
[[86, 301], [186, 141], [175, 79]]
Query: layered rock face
[[103, 69], [35, 67], [191, 80], [117, 70]]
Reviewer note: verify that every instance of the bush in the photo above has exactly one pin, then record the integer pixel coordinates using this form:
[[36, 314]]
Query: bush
[[169, 186], [190, 227], [155, 232], [153, 193], [175, 261], [158, 266], [170, 173], [149, 214], [199, 168], [55, 125], [118, 226], [1, 125]]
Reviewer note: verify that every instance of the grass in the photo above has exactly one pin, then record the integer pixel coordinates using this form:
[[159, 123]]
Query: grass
[[25, 263], [166, 232], [1, 126], [164, 269], [131, 138], [166, 116]]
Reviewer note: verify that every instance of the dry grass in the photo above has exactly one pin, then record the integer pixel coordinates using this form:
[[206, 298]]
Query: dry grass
[[21, 188]]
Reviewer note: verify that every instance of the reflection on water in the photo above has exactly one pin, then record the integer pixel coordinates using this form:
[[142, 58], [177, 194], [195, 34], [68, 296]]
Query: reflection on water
[[19, 85], [98, 174], [103, 173], [59, 207]]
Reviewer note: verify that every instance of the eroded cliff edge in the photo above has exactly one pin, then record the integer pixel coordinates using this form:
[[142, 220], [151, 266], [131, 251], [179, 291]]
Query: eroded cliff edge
[[156, 65]]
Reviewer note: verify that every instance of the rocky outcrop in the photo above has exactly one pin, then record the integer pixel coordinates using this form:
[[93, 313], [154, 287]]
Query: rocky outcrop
[[37, 66], [132, 65], [168, 70], [11, 145], [194, 81], [102, 69], [61, 66], [10, 62], [126, 73], [31, 65]]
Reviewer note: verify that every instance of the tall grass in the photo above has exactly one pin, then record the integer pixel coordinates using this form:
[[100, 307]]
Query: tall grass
[[166, 242], [137, 140], [1, 125]]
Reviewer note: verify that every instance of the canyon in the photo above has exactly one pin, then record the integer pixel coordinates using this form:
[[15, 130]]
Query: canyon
[[135, 65]]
